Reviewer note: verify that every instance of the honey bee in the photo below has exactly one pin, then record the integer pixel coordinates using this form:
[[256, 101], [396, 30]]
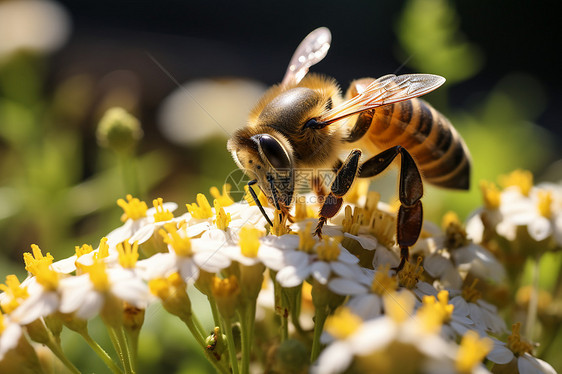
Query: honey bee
[[304, 123]]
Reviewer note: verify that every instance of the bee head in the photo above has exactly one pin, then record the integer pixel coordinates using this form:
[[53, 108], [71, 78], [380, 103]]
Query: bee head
[[267, 158]]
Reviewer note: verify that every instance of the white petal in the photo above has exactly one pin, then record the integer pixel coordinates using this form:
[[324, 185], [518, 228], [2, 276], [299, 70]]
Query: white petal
[[36, 306], [540, 228], [528, 364], [188, 270], [351, 271], [367, 242], [143, 234], [343, 286], [384, 256], [334, 359], [366, 306], [320, 270], [134, 291], [500, 354], [91, 305], [211, 261], [9, 338], [436, 265], [292, 276]]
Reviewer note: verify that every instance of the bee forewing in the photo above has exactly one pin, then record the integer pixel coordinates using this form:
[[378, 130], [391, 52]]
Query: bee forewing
[[388, 89], [311, 51]]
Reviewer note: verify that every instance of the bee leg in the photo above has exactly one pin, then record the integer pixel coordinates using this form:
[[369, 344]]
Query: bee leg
[[410, 215], [341, 184], [361, 126]]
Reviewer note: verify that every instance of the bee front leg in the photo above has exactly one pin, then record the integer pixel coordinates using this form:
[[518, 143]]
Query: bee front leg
[[341, 184], [410, 215]]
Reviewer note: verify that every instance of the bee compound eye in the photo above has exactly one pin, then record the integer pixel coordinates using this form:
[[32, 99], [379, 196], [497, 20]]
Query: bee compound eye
[[274, 151]]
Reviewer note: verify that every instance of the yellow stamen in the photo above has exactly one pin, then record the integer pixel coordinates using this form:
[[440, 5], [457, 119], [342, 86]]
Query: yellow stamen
[[351, 222], [223, 219], [280, 224], [98, 275], [383, 283], [329, 249], [455, 234], [383, 227], [306, 242], [201, 209], [261, 196], [2, 324], [408, 277], [16, 294], [83, 250], [371, 204], [301, 210], [103, 250], [520, 178], [434, 312], [161, 214], [128, 255], [472, 351], [133, 208], [399, 306], [515, 344], [179, 243], [249, 241], [343, 323], [490, 194], [40, 266], [224, 199], [470, 293], [544, 204], [173, 293]]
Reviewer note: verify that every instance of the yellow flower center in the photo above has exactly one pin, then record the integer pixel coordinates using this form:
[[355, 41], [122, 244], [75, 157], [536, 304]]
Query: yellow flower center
[[261, 196], [383, 283], [201, 209], [16, 294], [98, 275], [519, 178], [351, 222], [162, 287], [455, 234], [490, 194], [179, 243], [544, 203], [472, 351], [249, 241], [470, 293], [434, 312], [83, 250], [40, 266], [128, 255], [224, 199], [343, 323], [306, 240], [133, 208], [227, 287], [161, 214], [515, 344], [408, 277], [399, 305], [223, 219], [329, 249]]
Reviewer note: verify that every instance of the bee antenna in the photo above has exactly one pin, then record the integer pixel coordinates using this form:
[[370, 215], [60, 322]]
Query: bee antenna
[[275, 198], [257, 201]]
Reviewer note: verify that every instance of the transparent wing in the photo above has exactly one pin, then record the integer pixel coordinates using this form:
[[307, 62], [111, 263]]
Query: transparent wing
[[311, 51], [385, 90]]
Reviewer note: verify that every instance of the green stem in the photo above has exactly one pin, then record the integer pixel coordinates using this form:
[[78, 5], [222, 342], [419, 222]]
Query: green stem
[[214, 309], [119, 340], [248, 323], [194, 331], [231, 346], [56, 349], [129, 174], [101, 353], [199, 326], [319, 320], [533, 301], [195, 328]]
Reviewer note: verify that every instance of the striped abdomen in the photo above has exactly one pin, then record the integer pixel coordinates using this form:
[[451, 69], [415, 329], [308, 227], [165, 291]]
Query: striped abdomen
[[439, 151]]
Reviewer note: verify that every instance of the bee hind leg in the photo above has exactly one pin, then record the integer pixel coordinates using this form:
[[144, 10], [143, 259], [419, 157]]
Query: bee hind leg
[[341, 184], [410, 215]]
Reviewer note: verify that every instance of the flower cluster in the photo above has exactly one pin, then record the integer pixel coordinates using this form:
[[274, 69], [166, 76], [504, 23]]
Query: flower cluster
[[323, 305]]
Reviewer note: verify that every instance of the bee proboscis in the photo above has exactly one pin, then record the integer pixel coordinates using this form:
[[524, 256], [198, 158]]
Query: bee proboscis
[[304, 123]]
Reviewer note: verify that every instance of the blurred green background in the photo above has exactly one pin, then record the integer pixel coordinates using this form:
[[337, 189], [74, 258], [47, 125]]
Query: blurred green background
[[63, 64]]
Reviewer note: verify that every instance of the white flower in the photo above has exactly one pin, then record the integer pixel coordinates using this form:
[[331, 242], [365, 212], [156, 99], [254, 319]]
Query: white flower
[[483, 314], [328, 258], [10, 334], [526, 363]]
